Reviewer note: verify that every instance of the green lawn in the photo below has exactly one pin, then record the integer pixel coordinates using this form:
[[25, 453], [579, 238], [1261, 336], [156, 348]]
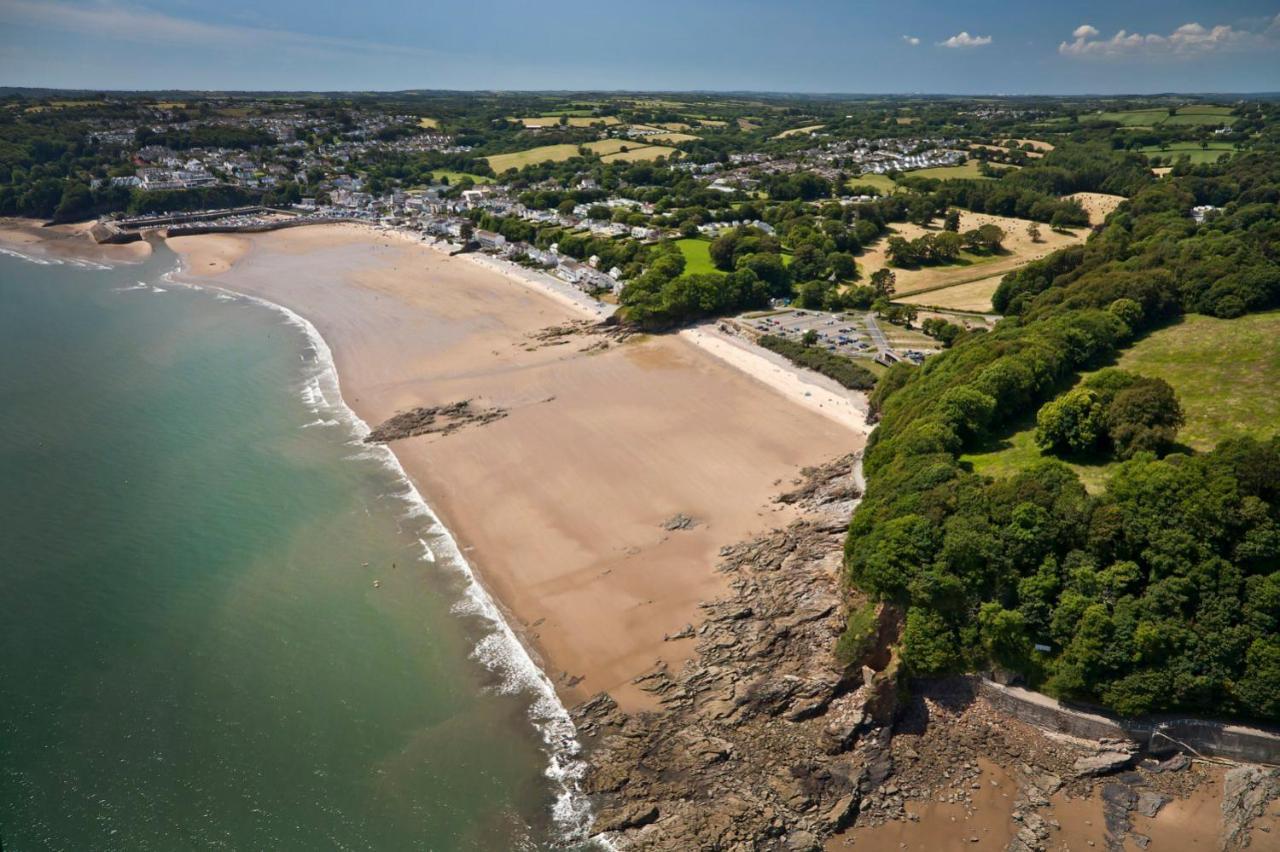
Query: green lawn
[[1224, 371], [1192, 150], [697, 256]]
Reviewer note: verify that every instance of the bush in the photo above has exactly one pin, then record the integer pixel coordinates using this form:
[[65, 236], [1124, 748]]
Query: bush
[[824, 361]]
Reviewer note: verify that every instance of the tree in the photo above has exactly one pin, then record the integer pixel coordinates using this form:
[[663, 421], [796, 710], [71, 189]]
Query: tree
[[843, 266], [770, 269], [810, 338], [1144, 417], [883, 281], [1072, 423], [1033, 232], [952, 221]]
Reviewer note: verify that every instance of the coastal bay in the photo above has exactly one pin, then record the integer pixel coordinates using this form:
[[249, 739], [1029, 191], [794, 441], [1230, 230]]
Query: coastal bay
[[561, 505]]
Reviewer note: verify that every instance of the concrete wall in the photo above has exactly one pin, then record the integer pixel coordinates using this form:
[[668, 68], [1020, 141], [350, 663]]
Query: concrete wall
[[1157, 735]]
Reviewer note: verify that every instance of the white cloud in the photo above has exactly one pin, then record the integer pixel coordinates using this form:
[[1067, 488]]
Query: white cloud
[[110, 19], [1186, 41], [963, 39], [911, 40]]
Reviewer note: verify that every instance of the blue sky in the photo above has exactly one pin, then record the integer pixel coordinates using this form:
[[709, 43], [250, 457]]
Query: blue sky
[[855, 46]]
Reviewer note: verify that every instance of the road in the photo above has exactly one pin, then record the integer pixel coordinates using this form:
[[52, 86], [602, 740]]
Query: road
[[877, 336]]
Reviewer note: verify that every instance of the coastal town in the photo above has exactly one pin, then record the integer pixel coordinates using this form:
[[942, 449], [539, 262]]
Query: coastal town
[[791, 473], [595, 212]]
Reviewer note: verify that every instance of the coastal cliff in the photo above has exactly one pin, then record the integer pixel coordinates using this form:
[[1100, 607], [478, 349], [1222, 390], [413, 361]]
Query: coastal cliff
[[765, 741]]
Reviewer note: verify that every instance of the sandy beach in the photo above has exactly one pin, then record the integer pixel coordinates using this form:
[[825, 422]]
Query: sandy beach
[[66, 242], [559, 506]]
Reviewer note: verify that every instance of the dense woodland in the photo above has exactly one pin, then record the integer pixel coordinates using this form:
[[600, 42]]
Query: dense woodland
[[1163, 592]]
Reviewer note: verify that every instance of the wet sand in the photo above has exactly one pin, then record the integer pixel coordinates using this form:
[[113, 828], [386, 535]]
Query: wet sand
[[560, 505], [66, 242]]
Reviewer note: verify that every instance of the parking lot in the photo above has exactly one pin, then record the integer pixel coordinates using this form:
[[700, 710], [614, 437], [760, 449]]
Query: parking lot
[[855, 336]]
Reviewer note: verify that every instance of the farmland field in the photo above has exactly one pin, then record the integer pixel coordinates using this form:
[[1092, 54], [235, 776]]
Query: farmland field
[[972, 296], [1222, 370], [884, 183], [671, 138], [542, 154], [1190, 115], [428, 123], [1225, 373], [636, 154], [1097, 204], [796, 131], [454, 177], [1191, 150], [611, 146], [968, 171], [1019, 249], [573, 120]]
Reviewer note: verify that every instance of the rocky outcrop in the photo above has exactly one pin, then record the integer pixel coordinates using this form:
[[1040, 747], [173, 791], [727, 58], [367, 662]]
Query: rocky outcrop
[[763, 741], [436, 419]]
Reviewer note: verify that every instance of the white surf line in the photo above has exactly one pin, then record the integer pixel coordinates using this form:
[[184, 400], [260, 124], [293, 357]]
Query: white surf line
[[846, 407], [501, 650]]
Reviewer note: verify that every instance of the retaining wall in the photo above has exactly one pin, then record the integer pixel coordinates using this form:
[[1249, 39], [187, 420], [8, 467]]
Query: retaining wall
[[1157, 734]]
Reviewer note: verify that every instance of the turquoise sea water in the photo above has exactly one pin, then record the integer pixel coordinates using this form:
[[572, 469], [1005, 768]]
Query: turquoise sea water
[[193, 653]]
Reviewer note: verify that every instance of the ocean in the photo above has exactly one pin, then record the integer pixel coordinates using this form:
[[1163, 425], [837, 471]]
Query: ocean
[[226, 623]]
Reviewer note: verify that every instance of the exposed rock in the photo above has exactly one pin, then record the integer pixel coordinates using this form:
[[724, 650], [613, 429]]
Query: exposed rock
[[1103, 763], [620, 819], [1247, 790], [436, 419], [679, 521], [598, 335], [1150, 803]]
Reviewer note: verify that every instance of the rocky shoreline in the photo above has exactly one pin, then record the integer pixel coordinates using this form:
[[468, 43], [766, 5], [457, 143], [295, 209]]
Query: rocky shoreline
[[764, 741]]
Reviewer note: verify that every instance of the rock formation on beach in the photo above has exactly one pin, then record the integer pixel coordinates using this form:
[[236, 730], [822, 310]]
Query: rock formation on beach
[[436, 419]]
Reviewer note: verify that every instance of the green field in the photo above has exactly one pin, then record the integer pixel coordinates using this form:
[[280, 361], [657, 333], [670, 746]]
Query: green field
[[968, 171], [697, 256], [884, 183], [1191, 150], [1191, 115], [1224, 371], [454, 177]]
